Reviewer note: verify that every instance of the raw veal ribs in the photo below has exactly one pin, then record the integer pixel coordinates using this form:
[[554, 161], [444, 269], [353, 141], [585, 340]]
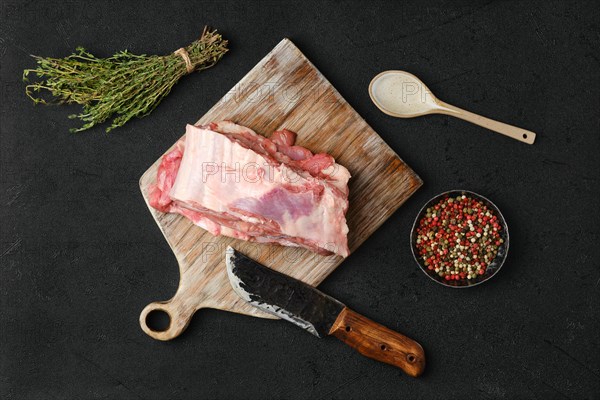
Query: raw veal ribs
[[231, 181]]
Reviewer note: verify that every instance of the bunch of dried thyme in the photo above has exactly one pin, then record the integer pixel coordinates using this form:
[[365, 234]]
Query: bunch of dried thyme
[[122, 86]]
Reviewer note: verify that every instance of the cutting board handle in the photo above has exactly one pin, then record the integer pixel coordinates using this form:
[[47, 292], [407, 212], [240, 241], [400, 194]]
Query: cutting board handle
[[179, 317]]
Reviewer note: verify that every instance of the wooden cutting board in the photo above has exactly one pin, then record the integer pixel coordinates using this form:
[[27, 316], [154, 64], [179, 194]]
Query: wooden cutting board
[[284, 90]]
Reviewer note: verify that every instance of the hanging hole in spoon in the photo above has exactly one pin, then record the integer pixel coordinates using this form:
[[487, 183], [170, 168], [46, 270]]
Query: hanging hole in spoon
[[411, 358], [158, 320], [524, 136], [383, 347]]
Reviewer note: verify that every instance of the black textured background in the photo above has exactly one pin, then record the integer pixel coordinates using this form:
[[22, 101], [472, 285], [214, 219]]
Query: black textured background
[[81, 255]]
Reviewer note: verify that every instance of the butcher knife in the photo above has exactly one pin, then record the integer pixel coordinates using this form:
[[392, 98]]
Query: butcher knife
[[321, 315]]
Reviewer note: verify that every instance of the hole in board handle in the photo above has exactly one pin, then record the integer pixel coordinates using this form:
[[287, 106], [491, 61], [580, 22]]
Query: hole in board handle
[[524, 136], [158, 320], [348, 328], [411, 358]]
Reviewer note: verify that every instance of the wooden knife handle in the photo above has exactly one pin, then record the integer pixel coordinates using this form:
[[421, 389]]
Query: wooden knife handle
[[378, 342]]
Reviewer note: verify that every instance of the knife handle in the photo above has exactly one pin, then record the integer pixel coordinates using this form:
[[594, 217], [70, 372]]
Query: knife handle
[[375, 341]]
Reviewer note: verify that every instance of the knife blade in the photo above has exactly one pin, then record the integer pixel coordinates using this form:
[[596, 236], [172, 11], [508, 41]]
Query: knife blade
[[321, 315]]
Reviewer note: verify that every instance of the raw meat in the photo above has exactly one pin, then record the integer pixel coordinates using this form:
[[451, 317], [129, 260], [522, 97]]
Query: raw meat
[[231, 181]]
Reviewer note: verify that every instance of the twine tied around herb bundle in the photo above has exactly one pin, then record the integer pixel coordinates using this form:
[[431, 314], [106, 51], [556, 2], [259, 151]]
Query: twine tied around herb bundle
[[122, 86], [186, 57]]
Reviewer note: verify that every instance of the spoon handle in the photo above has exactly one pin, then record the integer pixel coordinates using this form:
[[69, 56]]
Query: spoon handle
[[519, 134]]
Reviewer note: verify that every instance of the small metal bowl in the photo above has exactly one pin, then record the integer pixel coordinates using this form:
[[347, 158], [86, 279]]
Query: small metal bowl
[[491, 270]]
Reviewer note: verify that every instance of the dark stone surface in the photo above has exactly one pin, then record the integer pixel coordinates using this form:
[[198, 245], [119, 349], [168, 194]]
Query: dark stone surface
[[81, 256]]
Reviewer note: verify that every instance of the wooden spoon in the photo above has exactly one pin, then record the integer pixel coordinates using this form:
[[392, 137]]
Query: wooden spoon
[[403, 95]]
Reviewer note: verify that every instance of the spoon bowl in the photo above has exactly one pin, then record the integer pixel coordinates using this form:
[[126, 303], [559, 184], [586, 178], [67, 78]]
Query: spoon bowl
[[401, 94]]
